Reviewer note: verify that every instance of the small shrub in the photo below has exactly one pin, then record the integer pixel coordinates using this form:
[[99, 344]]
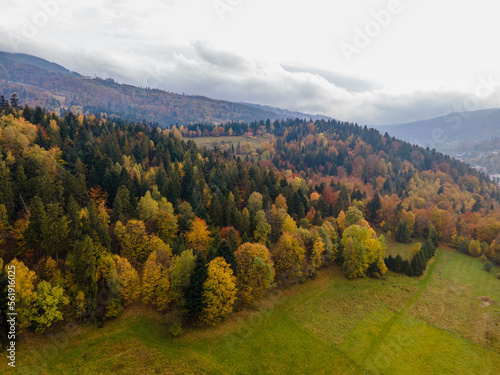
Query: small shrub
[[175, 330], [487, 266], [498, 276]]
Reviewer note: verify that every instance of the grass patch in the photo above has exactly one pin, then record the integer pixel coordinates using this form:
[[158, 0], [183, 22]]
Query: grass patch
[[394, 248], [234, 140], [328, 325]]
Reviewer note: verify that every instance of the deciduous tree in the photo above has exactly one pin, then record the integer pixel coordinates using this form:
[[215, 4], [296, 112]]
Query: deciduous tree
[[219, 292]]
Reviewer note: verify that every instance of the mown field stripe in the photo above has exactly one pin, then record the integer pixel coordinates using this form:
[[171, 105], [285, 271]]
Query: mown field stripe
[[398, 314]]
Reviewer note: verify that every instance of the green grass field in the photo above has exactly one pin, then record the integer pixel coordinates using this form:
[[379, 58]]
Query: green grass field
[[210, 141], [396, 325]]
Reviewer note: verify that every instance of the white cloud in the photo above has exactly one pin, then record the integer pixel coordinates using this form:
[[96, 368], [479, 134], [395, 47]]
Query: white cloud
[[280, 53]]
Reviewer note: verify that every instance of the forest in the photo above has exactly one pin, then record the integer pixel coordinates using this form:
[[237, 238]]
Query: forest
[[98, 213]]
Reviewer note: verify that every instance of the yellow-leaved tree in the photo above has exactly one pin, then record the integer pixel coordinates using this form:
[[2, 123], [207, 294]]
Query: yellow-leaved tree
[[46, 309], [363, 252], [219, 292], [25, 291], [255, 272], [198, 237], [166, 224], [156, 279], [135, 243], [128, 279], [289, 258]]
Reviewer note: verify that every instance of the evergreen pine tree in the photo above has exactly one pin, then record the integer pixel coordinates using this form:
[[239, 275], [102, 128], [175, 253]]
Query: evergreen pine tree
[[434, 236], [407, 269], [6, 189], [14, 101], [372, 207], [224, 251], [194, 292], [389, 262], [423, 261], [432, 248], [3, 102], [215, 211], [415, 265], [33, 233], [187, 183], [403, 233], [398, 263], [121, 204]]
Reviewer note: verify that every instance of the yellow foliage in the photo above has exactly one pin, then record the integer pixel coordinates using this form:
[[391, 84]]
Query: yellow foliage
[[361, 249], [156, 279], [254, 277], [414, 250], [475, 248], [128, 279], [198, 237], [316, 258], [289, 225], [288, 257], [219, 292], [25, 291]]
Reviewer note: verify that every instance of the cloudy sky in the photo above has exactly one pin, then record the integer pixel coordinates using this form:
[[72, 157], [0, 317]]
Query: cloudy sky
[[373, 62]]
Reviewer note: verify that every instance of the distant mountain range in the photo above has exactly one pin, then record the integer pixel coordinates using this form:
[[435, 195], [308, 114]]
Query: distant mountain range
[[473, 137], [52, 86], [451, 132]]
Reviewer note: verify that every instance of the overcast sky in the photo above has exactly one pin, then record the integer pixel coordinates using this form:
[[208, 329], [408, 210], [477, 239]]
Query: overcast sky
[[373, 62]]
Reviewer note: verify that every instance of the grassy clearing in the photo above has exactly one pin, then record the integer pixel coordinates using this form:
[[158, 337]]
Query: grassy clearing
[[211, 141], [329, 325], [394, 248]]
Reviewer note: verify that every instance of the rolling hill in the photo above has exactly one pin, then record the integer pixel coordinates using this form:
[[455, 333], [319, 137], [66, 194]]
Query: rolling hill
[[447, 133], [49, 85]]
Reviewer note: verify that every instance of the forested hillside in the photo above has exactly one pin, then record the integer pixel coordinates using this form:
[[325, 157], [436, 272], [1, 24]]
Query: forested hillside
[[54, 87], [97, 214]]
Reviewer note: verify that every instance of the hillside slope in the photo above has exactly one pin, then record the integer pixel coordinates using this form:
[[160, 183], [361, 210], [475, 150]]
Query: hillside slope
[[447, 132], [39, 82]]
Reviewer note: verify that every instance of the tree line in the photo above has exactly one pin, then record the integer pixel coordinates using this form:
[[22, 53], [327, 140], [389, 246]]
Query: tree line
[[98, 214]]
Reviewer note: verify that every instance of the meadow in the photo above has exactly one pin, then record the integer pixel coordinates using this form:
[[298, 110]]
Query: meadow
[[234, 140], [329, 325]]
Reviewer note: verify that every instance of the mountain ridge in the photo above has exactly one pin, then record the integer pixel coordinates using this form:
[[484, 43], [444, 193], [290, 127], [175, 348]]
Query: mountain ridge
[[447, 132], [52, 86]]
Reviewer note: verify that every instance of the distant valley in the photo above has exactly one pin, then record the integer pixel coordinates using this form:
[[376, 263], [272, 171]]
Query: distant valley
[[473, 137]]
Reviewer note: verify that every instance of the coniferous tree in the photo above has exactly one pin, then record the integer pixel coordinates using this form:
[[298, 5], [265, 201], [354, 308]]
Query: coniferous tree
[[121, 204], [398, 264], [434, 236], [215, 211], [403, 233], [372, 207], [194, 292], [415, 265], [389, 262], [83, 260], [6, 189], [406, 268], [14, 101], [224, 251], [245, 224], [33, 234], [55, 231], [3, 102], [187, 183]]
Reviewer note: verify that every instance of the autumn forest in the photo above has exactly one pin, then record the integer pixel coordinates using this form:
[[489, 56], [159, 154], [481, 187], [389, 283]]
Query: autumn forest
[[98, 213]]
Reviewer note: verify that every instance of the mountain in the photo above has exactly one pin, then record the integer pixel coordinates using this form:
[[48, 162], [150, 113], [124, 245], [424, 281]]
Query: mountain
[[49, 85], [448, 133], [13, 59]]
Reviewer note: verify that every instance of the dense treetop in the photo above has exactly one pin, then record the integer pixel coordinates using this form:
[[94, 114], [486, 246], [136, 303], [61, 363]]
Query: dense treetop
[[91, 206]]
